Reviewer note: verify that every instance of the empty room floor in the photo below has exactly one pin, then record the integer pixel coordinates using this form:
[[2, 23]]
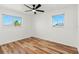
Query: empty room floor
[[35, 45]]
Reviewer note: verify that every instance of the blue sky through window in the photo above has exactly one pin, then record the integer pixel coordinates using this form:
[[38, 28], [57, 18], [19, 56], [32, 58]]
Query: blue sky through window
[[7, 20], [58, 19]]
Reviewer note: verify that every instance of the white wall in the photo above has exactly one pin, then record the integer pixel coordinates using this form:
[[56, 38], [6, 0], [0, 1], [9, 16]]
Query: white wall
[[78, 27], [12, 33], [66, 34]]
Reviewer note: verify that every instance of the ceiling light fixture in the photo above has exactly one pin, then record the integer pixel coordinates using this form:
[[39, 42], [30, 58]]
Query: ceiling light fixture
[[34, 10]]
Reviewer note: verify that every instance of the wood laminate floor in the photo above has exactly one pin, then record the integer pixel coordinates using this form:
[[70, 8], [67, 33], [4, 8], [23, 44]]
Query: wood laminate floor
[[34, 45]]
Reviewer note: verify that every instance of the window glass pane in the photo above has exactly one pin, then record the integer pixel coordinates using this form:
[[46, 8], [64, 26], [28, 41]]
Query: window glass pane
[[58, 20], [12, 20], [17, 21], [7, 20]]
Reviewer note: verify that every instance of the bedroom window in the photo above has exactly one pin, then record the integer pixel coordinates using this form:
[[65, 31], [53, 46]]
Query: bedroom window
[[58, 20], [9, 20]]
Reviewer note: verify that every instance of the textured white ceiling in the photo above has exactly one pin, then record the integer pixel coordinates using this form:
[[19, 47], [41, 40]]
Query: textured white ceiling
[[46, 7]]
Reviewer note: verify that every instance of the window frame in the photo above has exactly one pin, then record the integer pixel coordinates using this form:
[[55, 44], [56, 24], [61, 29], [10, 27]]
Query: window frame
[[57, 21]]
